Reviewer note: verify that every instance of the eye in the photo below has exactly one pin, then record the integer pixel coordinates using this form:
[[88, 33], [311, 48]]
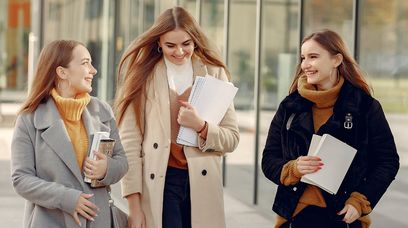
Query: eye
[[170, 46], [188, 43]]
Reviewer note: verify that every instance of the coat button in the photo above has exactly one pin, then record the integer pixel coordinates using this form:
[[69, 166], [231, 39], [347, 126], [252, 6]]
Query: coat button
[[204, 172], [294, 189], [155, 145], [152, 176]]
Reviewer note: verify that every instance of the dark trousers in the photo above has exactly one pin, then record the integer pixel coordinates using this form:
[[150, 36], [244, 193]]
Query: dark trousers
[[318, 217], [176, 202]]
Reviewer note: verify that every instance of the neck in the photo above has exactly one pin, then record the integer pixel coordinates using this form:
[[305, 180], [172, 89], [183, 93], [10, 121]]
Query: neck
[[66, 93]]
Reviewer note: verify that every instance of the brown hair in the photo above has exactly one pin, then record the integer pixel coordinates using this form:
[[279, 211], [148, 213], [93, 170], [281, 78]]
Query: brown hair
[[334, 44], [140, 58], [56, 53]]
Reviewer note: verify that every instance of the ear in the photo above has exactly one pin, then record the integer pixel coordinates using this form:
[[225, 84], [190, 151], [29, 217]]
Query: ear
[[338, 59], [61, 73]]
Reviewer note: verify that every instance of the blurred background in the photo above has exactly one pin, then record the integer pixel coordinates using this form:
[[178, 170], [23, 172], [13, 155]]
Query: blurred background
[[259, 41]]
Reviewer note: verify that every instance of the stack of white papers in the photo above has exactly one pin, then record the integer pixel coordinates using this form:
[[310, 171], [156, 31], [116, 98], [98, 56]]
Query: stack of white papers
[[211, 98], [336, 157]]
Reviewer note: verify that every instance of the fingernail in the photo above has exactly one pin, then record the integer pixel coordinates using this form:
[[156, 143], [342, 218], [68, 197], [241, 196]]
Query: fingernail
[[93, 219]]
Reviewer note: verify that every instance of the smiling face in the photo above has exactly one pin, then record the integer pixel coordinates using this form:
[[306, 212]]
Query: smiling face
[[79, 73], [319, 65], [177, 46]]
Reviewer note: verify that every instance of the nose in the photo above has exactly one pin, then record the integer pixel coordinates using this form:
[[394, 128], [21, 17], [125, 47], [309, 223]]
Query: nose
[[93, 70], [180, 51], [305, 64]]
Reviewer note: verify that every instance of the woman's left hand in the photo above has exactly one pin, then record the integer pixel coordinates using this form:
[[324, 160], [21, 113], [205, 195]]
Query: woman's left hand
[[96, 169], [188, 117], [351, 213]]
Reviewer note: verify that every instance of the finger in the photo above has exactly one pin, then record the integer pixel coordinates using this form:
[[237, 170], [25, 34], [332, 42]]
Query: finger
[[185, 104], [86, 196], [344, 210], [76, 218], [100, 156], [84, 214], [88, 210]]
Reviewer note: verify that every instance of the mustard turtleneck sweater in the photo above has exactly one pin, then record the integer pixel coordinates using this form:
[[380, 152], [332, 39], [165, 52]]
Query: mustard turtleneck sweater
[[322, 110], [71, 110]]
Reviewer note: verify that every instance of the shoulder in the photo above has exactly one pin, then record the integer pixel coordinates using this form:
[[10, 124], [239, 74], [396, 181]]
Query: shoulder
[[101, 108], [217, 72]]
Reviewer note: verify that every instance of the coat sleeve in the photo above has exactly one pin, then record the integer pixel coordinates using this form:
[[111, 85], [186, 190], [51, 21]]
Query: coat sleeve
[[383, 159], [272, 157], [132, 143], [117, 164], [26, 183], [225, 136]]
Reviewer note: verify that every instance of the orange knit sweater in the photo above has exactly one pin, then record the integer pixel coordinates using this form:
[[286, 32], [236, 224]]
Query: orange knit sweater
[[71, 110], [322, 110]]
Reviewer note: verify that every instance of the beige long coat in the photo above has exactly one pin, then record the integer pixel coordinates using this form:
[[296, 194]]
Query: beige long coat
[[148, 157]]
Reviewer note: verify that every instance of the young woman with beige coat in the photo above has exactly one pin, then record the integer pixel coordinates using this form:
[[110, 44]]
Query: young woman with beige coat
[[168, 184]]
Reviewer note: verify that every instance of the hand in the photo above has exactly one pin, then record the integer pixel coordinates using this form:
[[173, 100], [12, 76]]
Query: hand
[[85, 208], [188, 117], [351, 213], [96, 169], [308, 164], [137, 219]]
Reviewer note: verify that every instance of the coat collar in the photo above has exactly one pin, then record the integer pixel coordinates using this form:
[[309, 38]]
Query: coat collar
[[48, 119], [350, 100]]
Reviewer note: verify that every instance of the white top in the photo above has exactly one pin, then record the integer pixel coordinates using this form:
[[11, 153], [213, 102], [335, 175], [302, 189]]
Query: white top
[[180, 77]]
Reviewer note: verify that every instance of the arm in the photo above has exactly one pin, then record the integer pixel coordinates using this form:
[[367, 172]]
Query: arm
[[383, 160], [117, 164], [131, 138], [26, 183], [225, 136], [272, 157]]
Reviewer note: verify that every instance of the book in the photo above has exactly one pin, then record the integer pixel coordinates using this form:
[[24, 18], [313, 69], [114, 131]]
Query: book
[[336, 156], [105, 147], [98, 136], [211, 98]]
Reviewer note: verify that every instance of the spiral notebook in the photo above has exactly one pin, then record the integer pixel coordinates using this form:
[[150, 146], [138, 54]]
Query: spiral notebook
[[336, 156], [211, 97]]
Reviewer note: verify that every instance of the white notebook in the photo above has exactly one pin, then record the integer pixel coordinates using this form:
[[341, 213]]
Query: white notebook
[[336, 157], [211, 97]]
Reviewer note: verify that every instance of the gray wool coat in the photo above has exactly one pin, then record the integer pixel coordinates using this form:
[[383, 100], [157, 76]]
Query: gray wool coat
[[45, 171]]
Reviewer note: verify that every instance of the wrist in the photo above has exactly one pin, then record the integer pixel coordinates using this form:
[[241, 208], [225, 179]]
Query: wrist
[[203, 126]]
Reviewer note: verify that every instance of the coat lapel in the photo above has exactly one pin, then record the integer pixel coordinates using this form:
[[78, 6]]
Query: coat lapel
[[55, 135], [158, 91]]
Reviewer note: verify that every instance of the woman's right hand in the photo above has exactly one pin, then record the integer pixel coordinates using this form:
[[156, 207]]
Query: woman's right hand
[[136, 217], [85, 208], [308, 164]]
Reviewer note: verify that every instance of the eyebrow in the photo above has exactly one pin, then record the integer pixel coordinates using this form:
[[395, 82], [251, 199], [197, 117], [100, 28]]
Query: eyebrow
[[86, 59], [181, 42]]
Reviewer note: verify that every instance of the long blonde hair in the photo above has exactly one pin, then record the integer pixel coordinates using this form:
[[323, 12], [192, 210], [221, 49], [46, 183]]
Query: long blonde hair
[[56, 53], [138, 61], [334, 44]]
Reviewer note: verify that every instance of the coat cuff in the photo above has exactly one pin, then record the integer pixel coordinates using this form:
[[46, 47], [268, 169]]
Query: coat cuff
[[360, 202], [207, 145], [290, 175], [69, 200]]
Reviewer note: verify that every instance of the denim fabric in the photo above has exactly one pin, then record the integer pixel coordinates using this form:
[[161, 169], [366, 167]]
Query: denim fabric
[[176, 202]]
